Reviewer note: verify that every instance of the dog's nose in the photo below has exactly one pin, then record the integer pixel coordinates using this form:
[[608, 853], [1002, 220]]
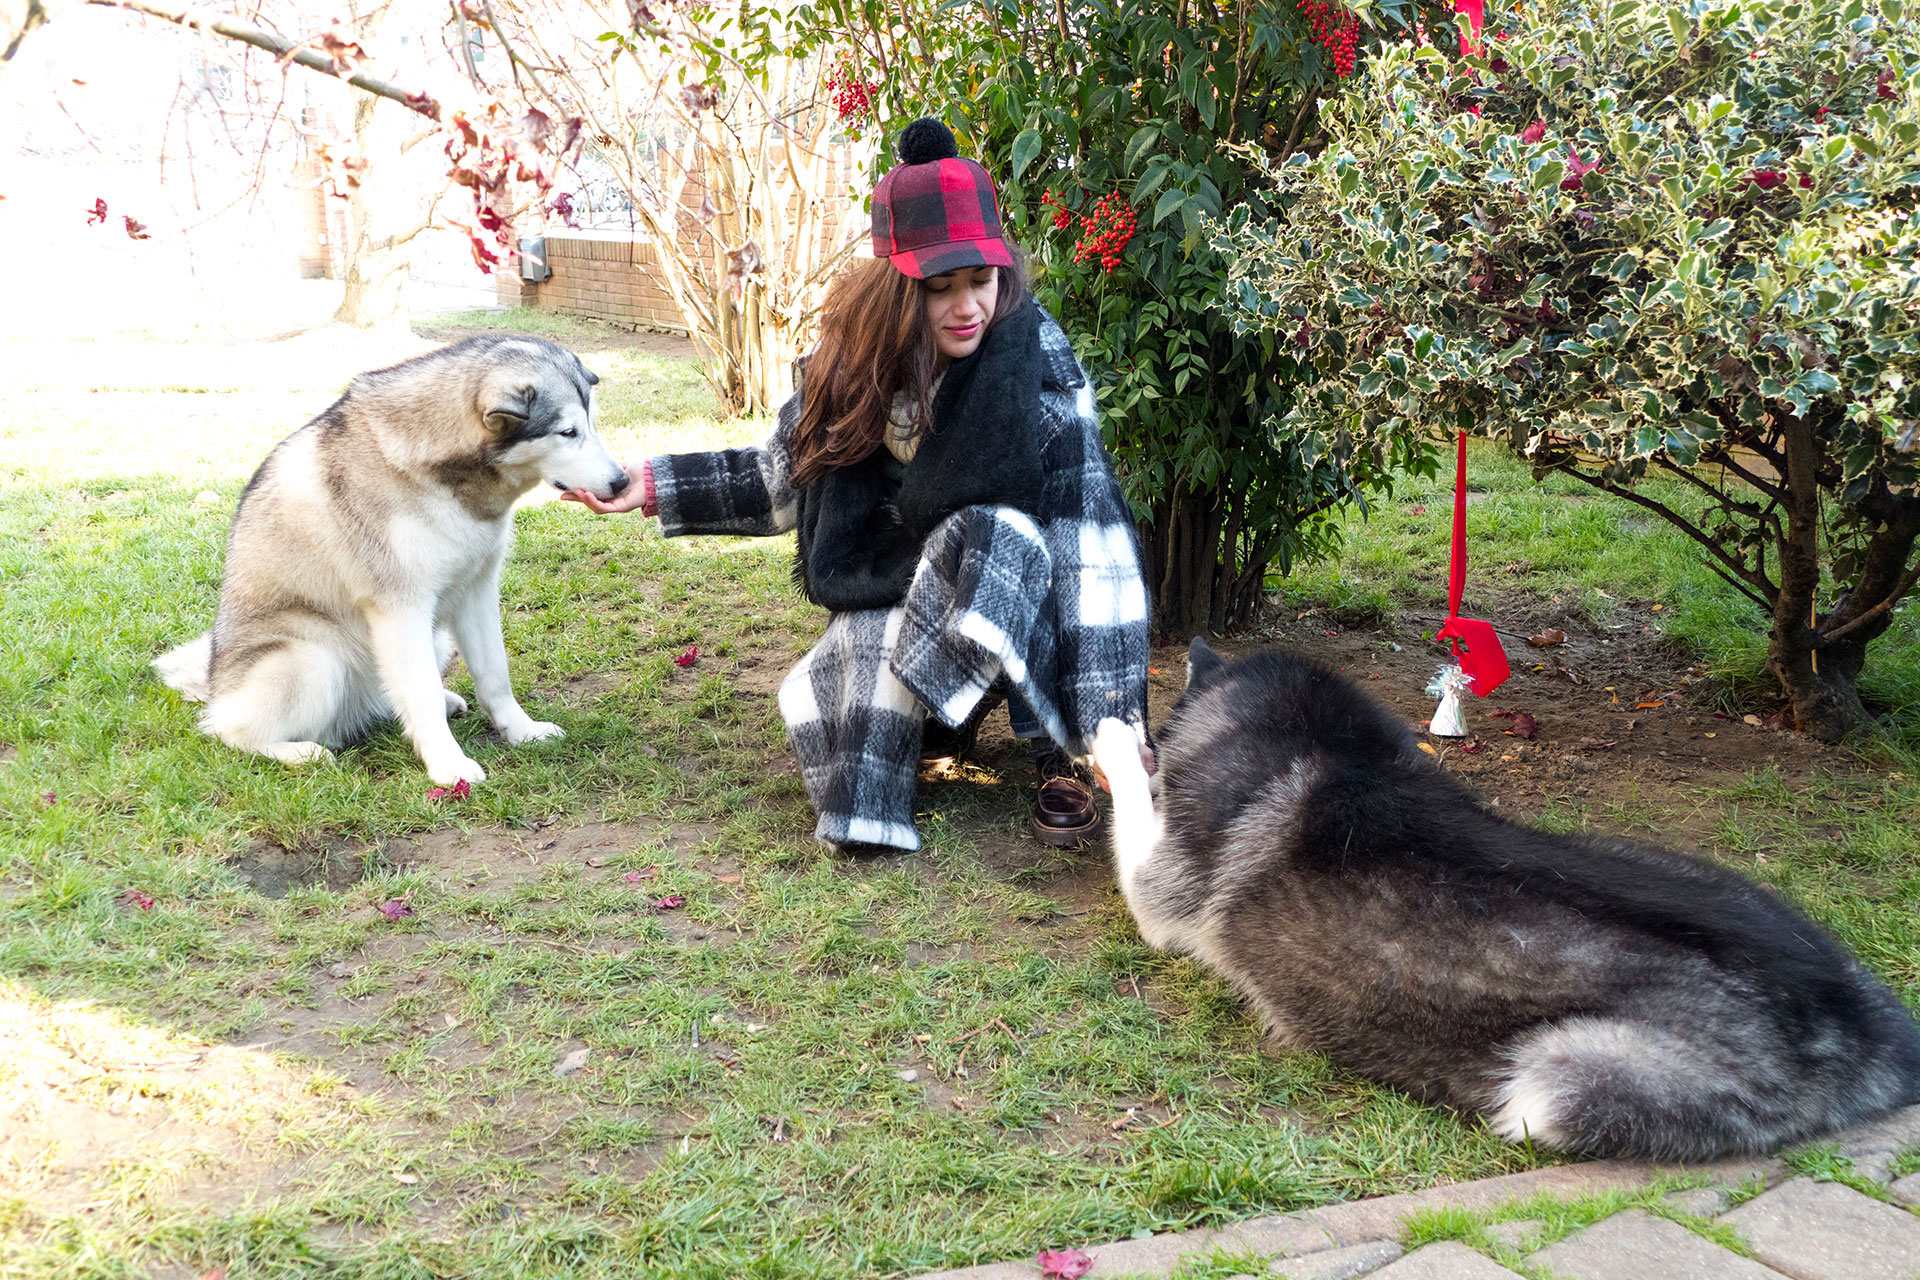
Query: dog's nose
[[619, 486]]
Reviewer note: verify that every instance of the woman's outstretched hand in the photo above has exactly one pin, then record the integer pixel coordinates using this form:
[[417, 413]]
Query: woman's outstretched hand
[[631, 498]]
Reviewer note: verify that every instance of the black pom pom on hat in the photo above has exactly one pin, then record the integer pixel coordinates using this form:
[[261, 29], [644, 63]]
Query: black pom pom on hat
[[927, 140]]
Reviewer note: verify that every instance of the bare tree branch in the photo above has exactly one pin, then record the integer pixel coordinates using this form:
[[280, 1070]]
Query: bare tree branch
[[281, 47]]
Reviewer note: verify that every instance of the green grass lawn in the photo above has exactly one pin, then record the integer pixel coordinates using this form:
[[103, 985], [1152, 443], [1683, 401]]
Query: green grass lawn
[[809, 1068]]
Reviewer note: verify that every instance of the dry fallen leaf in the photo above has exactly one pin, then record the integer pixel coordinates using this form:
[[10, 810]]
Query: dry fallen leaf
[[1064, 1264], [571, 1063], [1548, 636], [1524, 726], [407, 1179], [1647, 706], [726, 879], [1428, 748]]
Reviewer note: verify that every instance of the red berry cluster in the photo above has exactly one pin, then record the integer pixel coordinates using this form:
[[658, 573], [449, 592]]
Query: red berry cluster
[[851, 96], [1062, 216], [1105, 231], [1335, 30]]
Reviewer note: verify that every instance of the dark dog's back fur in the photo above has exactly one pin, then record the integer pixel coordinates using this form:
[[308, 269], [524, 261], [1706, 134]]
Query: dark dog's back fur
[[1597, 995]]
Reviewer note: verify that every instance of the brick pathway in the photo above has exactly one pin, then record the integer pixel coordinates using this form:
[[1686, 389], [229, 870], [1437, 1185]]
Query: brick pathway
[[1796, 1229]]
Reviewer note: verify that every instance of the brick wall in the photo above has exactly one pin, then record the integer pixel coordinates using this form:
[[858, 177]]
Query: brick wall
[[604, 274]]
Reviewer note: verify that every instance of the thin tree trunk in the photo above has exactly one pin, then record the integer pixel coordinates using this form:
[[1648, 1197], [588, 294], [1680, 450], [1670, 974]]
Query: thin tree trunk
[[1820, 683]]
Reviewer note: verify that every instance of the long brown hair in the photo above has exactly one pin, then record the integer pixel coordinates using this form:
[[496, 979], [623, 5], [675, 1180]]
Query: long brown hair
[[874, 343]]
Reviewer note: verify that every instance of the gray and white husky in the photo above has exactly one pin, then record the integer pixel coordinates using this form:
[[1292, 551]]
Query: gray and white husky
[[368, 546], [1591, 994]]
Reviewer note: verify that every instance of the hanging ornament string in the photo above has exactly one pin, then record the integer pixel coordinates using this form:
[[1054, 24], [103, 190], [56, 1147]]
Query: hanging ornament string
[[1475, 646]]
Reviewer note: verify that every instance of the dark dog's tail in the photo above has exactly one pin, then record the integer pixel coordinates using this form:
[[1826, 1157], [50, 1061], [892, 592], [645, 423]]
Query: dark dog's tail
[[1607, 1086]]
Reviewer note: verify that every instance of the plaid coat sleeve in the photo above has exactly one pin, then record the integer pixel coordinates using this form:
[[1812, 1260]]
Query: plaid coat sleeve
[[1099, 588], [741, 491]]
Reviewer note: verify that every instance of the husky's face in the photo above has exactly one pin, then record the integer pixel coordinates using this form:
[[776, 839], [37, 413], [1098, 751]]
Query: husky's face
[[544, 424]]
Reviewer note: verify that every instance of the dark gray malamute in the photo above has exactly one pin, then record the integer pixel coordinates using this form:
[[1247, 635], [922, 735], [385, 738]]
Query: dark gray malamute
[[1592, 994]]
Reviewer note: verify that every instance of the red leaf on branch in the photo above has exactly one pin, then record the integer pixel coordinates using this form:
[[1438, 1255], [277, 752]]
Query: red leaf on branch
[[1535, 132], [562, 204], [1577, 170], [1064, 1264], [98, 213], [136, 230], [1766, 179], [687, 659]]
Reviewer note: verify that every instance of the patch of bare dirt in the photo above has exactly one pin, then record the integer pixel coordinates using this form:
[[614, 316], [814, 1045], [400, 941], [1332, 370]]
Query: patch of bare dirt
[[98, 1111]]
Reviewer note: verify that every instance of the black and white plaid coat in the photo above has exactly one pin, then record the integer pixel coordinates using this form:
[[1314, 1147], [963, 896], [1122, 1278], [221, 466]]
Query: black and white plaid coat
[[1057, 605]]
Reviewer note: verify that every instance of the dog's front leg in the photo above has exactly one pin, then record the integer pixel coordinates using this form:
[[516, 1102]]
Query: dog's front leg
[[403, 650], [1136, 828], [476, 630]]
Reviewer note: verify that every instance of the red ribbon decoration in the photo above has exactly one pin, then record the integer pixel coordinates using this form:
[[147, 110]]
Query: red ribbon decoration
[[1475, 646], [1476, 13]]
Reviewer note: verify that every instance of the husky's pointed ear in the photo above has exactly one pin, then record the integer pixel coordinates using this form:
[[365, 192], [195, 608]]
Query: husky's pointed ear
[[1202, 661], [593, 379], [507, 419]]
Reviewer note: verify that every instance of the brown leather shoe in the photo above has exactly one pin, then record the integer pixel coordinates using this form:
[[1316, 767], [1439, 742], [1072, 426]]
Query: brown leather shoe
[[1064, 815]]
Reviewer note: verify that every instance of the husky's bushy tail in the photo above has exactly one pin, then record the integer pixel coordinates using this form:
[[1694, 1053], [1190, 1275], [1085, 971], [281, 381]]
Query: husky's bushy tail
[[185, 668], [1609, 1086]]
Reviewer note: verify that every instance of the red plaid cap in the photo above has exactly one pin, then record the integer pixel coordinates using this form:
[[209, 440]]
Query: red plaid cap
[[939, 216]]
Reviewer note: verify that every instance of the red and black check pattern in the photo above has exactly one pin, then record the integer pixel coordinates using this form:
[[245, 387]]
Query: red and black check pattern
[[939, 216]]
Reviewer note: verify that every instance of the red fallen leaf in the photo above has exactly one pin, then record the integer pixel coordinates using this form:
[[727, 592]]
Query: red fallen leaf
[[460, 790], [1471, 748], [635, 877], [1535, 132], [1501, 715], [136, 230], [1417, 511], [1329, 633], [1524, 726], [1064, 1264], [672, 902], [98, 213], [49, 797], [135, 898], [1648, 706], [687, 659], [396, 908], [1153, 671]]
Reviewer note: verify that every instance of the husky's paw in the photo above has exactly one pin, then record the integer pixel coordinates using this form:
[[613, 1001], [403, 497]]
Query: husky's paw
[[445, 773], [531, 731], [1117, 751], [456, 705], [297, 752]]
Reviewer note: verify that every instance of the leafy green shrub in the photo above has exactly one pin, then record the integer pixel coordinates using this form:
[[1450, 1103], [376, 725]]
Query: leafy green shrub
[[1626, 238], [1113, 130]]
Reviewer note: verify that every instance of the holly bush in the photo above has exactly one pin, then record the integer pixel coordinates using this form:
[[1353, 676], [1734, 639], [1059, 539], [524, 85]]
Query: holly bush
[[1630, 238]]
